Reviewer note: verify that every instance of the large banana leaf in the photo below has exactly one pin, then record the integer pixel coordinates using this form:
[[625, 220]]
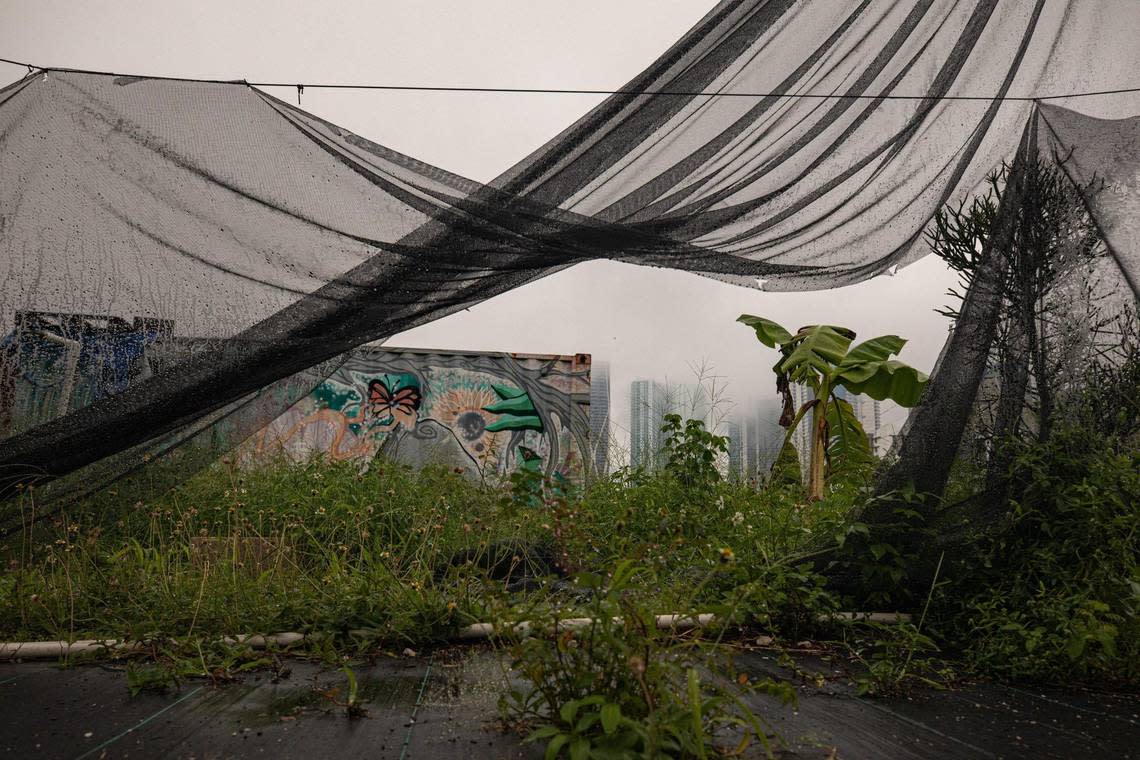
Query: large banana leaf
[[872, 351], [848, 448], [786, 469], [824, 351], [768, 332], [889, 379], [816, 349]]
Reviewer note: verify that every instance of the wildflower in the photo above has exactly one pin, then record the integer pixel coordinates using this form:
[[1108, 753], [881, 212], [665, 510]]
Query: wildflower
[[737, 519], [636, 664], [451, 606], [726, 555]]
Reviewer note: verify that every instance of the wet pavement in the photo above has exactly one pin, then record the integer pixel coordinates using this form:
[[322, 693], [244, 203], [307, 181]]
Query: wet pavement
[[980, 720], [445, 706]]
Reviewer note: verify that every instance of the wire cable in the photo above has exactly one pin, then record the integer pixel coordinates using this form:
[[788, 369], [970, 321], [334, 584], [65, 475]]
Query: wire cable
[[301, 86]]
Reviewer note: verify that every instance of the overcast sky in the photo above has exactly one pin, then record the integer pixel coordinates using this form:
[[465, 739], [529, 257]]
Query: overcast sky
[[645, 322]]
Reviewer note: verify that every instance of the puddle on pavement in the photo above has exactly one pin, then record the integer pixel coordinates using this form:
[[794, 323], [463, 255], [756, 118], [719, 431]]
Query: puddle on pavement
[[475, 680]]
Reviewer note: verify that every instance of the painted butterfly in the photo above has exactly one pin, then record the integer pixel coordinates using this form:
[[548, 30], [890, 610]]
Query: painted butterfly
[[383, 403]]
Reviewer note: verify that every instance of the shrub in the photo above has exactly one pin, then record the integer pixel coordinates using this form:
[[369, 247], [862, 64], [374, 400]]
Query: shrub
[[618, 687], [1055, 595]]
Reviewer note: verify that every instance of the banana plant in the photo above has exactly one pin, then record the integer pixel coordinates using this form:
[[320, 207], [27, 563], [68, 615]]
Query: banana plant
[[822, 358]]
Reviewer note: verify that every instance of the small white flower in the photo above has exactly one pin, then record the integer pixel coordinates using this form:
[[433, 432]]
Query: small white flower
[[738, 519]]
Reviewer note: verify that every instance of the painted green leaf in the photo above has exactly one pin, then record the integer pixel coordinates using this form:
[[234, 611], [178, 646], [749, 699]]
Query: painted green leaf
[[767, 332], [515, 422], [517, 404], [517, 410], [506, 391]]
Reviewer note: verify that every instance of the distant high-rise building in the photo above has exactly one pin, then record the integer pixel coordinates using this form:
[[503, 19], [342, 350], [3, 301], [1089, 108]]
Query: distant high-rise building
[[801, 394], [648, 405], [600, 416], [755, 437], [869, 412], [650, 401], [692, 402], [750, 431], [734, 431]]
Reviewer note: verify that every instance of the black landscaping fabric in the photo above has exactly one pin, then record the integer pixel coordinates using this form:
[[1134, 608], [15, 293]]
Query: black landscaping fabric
[[445, 705], [207, 253]]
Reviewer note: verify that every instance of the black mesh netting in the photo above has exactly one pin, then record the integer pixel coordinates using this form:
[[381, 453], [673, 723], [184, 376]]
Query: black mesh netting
[[182, 259]]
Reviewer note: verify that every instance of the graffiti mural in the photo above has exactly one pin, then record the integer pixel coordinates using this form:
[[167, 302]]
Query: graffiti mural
[[486, 414], [53, 363]]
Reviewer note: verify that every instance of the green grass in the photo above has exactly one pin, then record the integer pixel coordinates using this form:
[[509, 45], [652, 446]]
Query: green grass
[[390, 558], [323, 547]]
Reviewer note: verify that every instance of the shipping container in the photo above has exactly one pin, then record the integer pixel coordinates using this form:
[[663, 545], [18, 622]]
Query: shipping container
[[485, 414]]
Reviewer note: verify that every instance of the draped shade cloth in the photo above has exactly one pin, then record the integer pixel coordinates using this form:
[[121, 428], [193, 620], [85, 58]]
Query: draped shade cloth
[[1102, 157], [778, 144]]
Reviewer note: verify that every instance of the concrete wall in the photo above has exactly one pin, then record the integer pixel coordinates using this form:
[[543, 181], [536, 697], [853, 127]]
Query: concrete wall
[[484, 413]]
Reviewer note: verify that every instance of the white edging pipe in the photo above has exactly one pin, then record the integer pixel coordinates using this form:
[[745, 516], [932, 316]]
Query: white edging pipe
[[41, 650], [480, 631], [874, 617]]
